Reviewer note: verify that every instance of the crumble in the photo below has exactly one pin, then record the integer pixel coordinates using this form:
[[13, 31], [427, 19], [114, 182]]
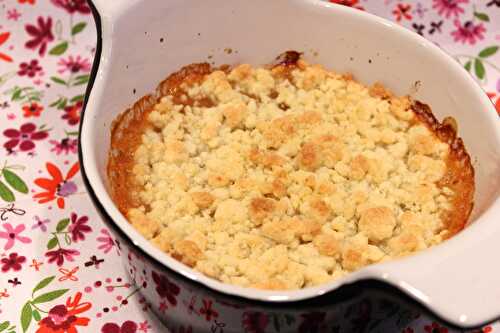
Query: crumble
[[286, 176]]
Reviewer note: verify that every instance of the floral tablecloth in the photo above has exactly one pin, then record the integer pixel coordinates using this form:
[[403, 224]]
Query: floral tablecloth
[[60, 270]]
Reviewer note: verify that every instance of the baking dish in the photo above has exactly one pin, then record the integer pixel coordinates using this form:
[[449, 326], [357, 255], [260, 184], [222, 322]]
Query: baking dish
[[141, 42]]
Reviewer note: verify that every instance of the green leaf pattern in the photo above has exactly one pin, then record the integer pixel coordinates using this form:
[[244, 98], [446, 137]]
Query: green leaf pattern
[[62, 225], [59, 48], [77, 28], [15, 181], [26, 315], [10, 182], [50, 296], [478, 65], [44, 283], [31, 310]]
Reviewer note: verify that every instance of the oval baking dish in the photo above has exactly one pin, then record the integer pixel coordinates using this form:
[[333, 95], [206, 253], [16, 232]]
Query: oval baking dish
[[140, 42]]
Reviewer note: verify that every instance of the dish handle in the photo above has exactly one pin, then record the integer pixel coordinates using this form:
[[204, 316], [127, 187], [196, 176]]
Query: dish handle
[[458, 280]]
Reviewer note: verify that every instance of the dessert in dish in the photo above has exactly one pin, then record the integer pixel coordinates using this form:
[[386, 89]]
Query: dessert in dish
[[286, 176]]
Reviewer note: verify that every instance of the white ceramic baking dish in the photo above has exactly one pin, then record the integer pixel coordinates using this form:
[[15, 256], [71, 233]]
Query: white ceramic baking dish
[[143, 41]]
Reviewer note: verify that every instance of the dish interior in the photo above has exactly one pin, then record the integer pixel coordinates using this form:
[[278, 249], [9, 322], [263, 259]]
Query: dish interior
[[291, 165], [371, 49]]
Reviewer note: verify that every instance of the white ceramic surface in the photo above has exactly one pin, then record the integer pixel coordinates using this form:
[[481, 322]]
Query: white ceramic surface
[[455, 279]]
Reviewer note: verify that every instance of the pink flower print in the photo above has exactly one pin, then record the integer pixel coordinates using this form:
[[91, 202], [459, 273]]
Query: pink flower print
[[13, 15], [106, 241], [74, 65], [78, 227], [65, 146], [144, 326], [60, 255], [12, 235], [468, 33], [30, 69], [14, 262], [40, 223], [449, 8], [23, 137], [41, 35]]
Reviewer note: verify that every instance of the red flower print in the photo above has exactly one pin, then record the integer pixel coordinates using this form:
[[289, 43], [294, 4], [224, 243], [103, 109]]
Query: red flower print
[[32, 110], [312, 322], [3, 38], [401, 11], [126, 327], [165, 288], [14, 262], [60, 255], [57, 187], [12, 235], [492, 95], [79, 227], [435, 328], [30, 69], [468, 33], [448, 8], [348, 3], [63, 318], [72, 113], [486, 329], [31, 2], [74, 65], [24, 137], [408, 330], [65, 146], [207, 311], [72, 6], [42, 35], [255, 322]]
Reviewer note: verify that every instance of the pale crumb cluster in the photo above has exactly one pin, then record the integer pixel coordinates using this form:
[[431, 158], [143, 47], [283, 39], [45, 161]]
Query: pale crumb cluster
[[288, 180]]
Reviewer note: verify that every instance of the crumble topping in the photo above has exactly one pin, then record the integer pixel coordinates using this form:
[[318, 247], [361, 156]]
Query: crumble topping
[[287, 177]]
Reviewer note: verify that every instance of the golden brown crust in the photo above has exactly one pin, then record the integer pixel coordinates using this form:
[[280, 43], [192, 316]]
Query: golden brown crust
[[459, 175], [377, 223], [202, 199], [237, 174], [128, 127]]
